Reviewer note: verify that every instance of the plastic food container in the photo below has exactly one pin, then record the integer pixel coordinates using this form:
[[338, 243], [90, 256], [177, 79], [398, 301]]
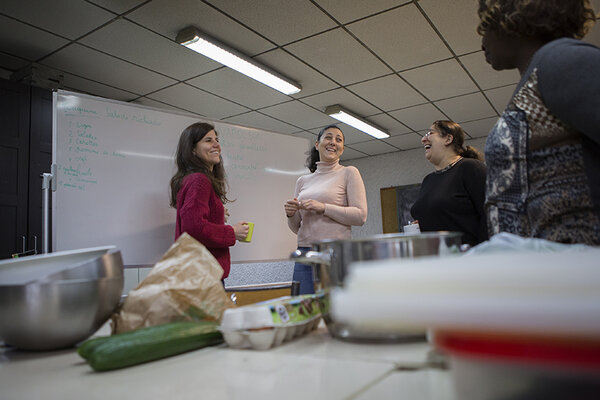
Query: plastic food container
[[500, 366], [267, 324]]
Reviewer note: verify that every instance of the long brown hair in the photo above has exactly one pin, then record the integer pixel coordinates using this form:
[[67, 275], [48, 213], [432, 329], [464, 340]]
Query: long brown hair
[[446, 128], [187, 163]]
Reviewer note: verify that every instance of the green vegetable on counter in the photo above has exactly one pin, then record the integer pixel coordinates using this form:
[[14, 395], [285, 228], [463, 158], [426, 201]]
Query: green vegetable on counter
[[148, 344]]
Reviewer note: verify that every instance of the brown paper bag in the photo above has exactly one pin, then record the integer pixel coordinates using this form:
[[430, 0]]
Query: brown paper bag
[[184, 285]]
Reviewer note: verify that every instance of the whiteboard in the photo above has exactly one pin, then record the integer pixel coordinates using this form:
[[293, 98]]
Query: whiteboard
[[114, 161]]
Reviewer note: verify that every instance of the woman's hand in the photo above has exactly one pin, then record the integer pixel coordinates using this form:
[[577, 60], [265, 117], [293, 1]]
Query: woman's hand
[[226, 214], [241, 230], [291, 207], [313, 205]]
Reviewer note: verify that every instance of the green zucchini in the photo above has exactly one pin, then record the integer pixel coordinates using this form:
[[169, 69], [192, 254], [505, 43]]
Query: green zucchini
[[148, 344], [86, 348]]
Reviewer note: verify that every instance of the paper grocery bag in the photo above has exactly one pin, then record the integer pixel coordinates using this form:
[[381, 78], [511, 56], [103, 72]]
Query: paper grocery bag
[[184, 285]]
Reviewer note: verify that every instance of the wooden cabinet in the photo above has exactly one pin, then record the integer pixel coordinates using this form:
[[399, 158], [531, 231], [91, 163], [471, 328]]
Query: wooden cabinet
[[25, 153]]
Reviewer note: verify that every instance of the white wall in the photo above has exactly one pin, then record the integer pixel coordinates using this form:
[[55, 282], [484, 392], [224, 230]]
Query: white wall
[[392, 169]]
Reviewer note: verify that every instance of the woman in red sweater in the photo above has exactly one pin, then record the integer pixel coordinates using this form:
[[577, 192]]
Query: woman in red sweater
[[198, 192]]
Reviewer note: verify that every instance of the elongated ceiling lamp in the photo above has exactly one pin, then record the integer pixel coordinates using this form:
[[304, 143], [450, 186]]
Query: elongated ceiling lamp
[[198, 41], [359, 123]]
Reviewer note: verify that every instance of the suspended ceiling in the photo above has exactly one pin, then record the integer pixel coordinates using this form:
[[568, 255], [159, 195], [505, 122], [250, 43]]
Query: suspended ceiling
[[399, 64]]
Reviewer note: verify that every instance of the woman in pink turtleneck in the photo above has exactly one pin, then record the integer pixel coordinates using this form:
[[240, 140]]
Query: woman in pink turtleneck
[[326, 202]]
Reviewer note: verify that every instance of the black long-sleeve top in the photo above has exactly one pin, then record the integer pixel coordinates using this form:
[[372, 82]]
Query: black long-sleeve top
[[452, 200]]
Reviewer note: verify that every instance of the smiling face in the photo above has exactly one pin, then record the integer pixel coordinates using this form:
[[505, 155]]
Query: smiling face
[[437, 147], [331, 145], [208, 149]]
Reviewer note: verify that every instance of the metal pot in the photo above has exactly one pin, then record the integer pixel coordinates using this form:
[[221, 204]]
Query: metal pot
[[331, 260]]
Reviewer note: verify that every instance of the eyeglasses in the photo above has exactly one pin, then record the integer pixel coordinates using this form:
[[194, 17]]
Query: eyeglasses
[[429, 133]]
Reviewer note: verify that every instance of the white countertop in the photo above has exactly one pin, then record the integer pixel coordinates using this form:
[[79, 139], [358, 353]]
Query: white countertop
[[315, 366]]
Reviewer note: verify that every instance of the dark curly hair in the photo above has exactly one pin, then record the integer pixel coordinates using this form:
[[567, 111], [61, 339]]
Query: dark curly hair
[[313, 154], [187, 163], [446, 128], [544, 19]]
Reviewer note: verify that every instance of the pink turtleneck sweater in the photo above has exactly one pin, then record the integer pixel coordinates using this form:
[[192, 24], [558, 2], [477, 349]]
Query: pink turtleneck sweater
[[343, 192]]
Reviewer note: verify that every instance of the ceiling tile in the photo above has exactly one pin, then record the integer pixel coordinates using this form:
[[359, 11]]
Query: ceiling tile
[[168, 17], [405, 142], [140, 46], [593, 36], [239, 88], [118, 6], [418, 117], [99, 67], [298, 114], [388, 123], [157, 104], [389, 92], [466, 108], [197, 101], [402, 45], [351, 134], [258, 120], [310, 137], [345, 11], [5, 74], [67, 18], [374, 147], [339, 46], [481, 128], [441, 80], [500, 97], [282, 21], [456, 20], [485, 76], [78, 84], [11, 64], [351, 154], [343, 97], [22, 40], [312, 81]]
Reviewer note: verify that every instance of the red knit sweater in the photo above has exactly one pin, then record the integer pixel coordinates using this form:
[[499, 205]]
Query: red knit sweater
[[201, 214]]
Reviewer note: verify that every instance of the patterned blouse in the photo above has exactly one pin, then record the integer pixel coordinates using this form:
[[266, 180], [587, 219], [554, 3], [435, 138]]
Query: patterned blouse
[[543, 154]]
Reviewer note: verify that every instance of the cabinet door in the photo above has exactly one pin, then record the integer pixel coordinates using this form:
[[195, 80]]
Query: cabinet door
[[14, 160], [40, 159]]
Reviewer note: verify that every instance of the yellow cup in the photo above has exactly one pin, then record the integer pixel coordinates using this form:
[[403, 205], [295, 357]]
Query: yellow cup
[[250, 231]]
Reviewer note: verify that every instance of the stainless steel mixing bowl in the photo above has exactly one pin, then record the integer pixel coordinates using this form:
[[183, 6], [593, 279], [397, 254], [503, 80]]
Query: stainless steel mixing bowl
[[55, 313]]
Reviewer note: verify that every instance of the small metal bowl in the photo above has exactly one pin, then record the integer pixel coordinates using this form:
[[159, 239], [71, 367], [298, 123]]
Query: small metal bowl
[[56, 313]]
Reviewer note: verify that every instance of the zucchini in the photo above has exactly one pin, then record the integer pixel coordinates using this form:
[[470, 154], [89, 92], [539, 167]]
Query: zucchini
[[148, 344], [86, 348]]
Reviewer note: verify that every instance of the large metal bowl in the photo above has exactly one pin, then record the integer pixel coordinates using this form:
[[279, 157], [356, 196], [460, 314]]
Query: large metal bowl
[[332, 259], [19, 271], [56, 313]]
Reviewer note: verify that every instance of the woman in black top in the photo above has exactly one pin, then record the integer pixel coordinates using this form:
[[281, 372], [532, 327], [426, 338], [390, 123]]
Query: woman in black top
[[452, 197]]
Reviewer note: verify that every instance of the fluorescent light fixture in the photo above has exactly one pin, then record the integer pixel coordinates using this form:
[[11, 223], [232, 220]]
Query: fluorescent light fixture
[[347, 117], [198, 41]]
